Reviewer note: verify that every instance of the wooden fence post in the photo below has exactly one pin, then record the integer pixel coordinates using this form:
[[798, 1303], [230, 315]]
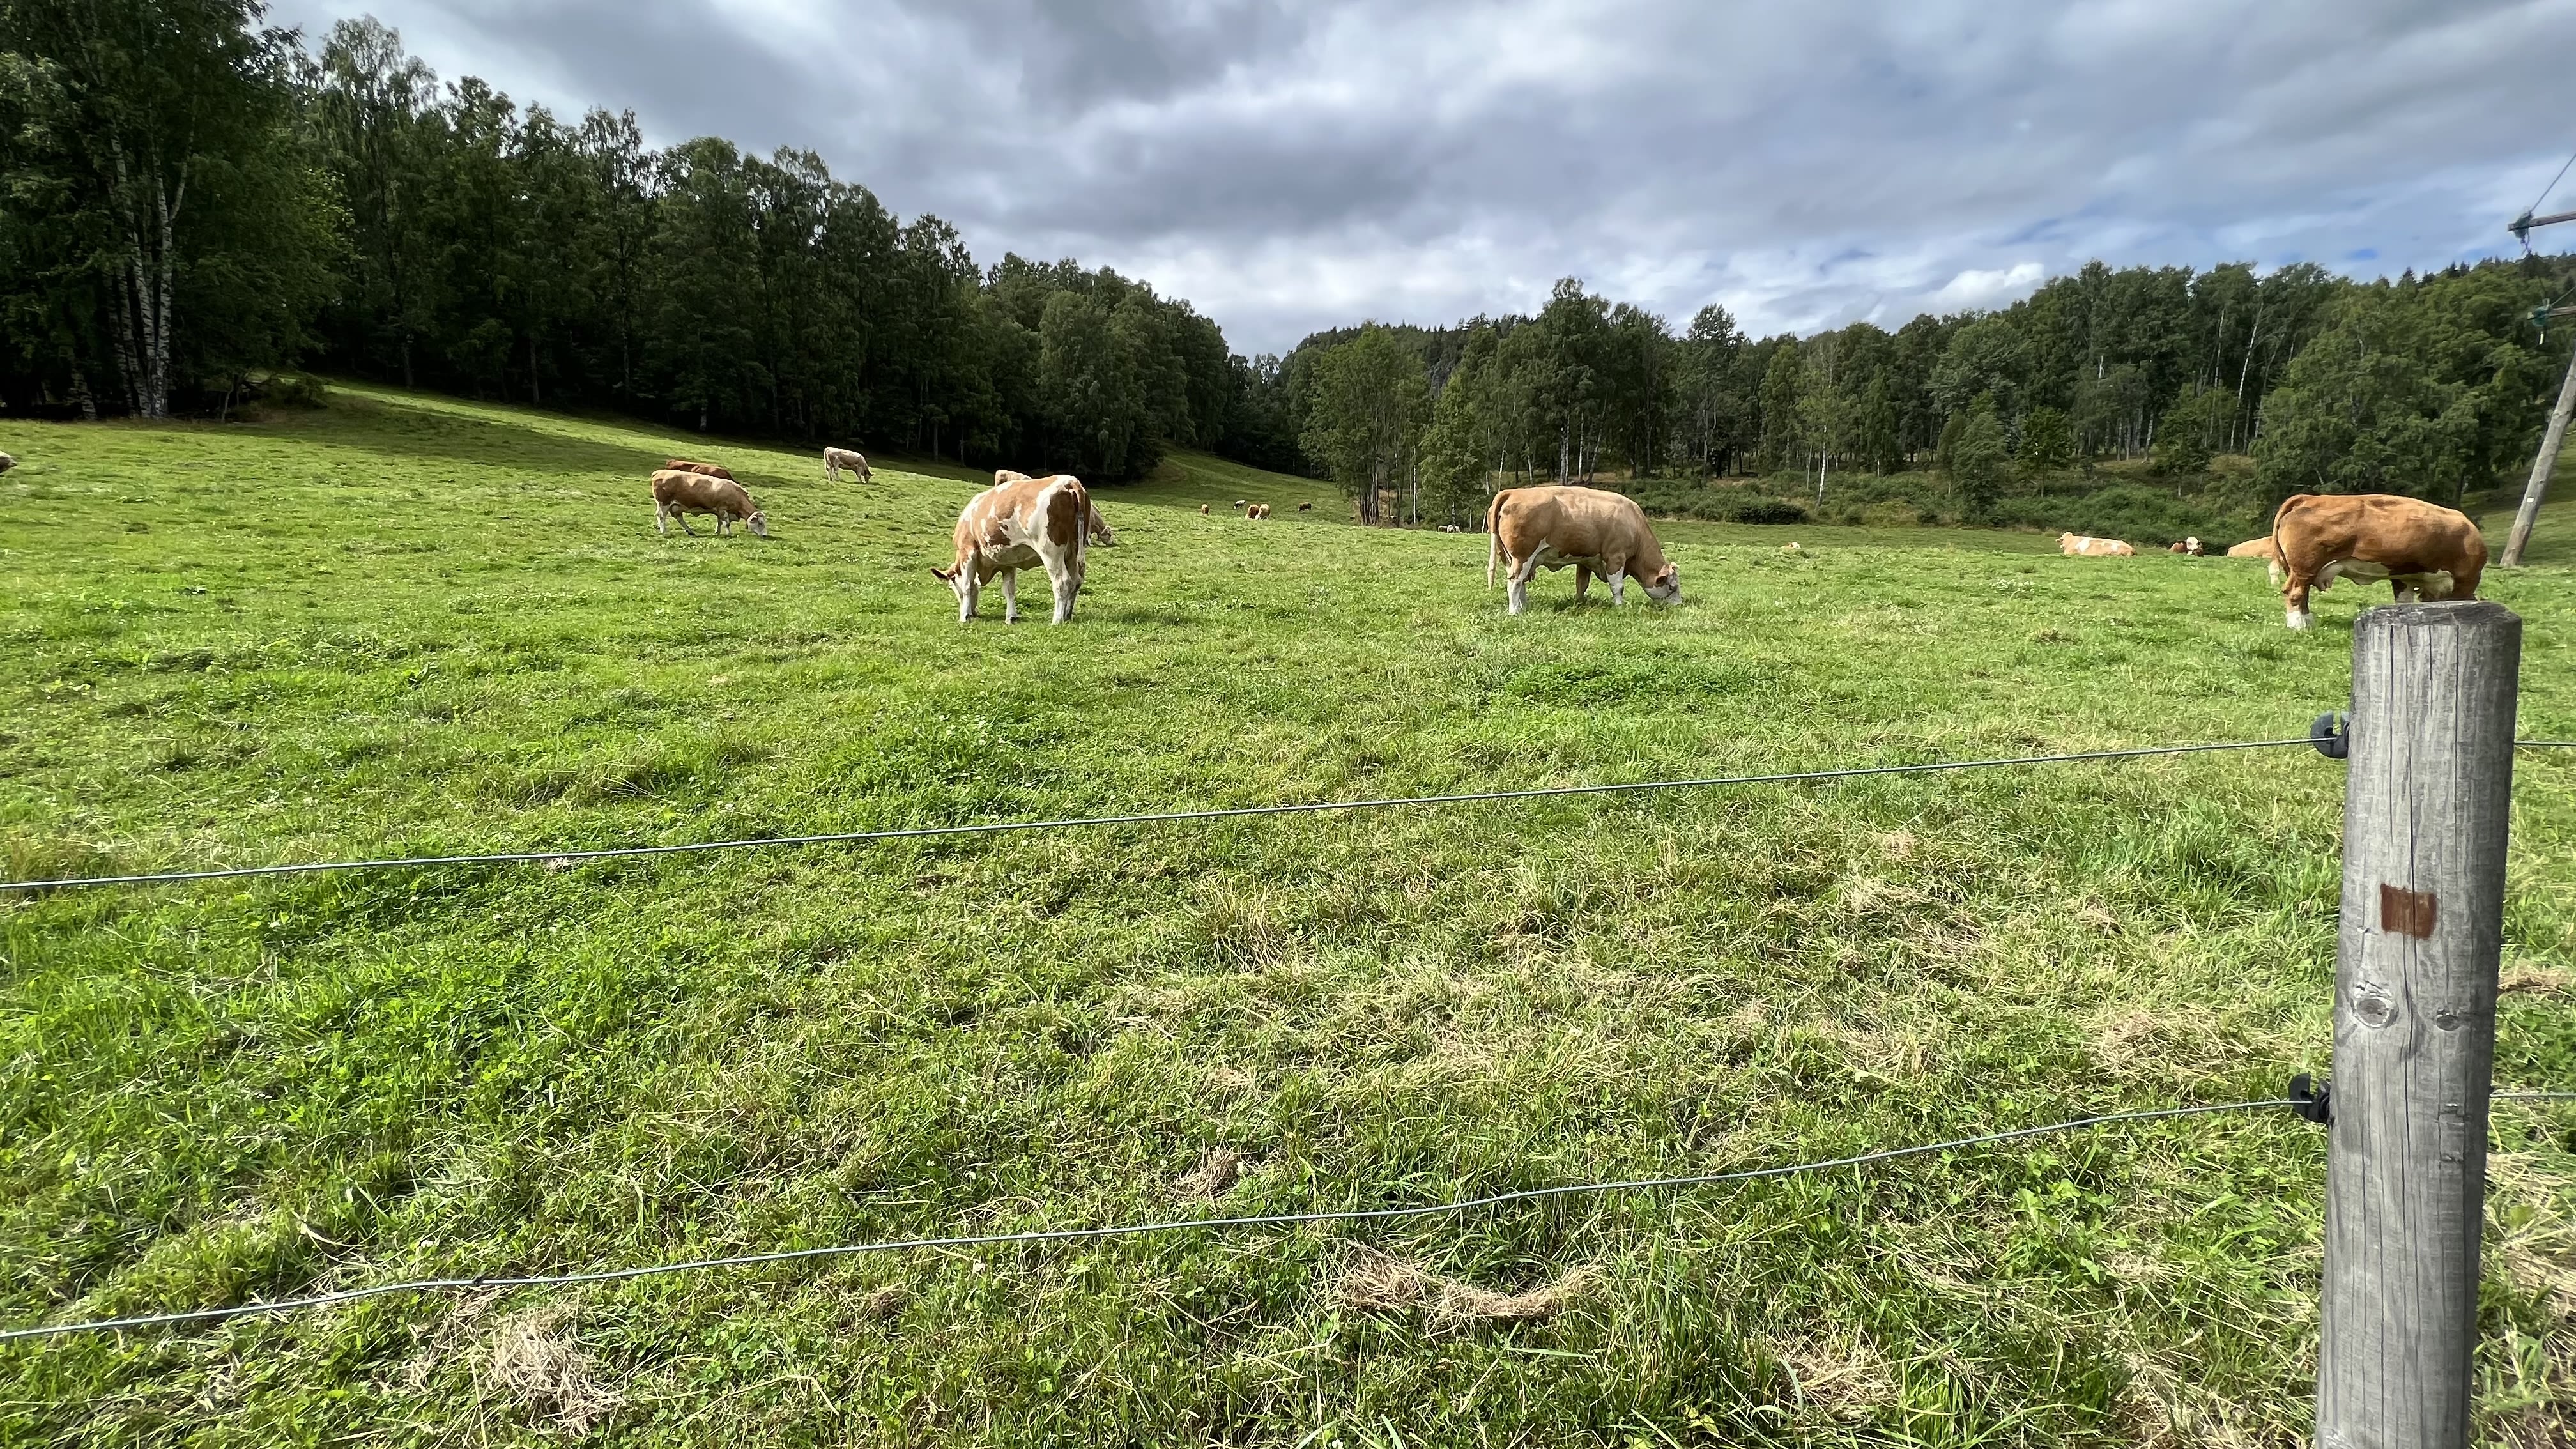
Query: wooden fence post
[[2425, 814]]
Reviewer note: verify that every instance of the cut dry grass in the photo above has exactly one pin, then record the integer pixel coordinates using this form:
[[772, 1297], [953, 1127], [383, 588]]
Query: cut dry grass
[[284, 641]]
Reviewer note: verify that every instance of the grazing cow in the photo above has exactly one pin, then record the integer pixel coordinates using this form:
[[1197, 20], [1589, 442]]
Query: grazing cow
[[679, 492], [1257, 510], [1595, 532], [683, 465], [2422, 549], [2073, 544], [1023, 523], [1451, 528], [1239, 503], [1203, 508], [1305, 508], [1100, 533], [836, 459]]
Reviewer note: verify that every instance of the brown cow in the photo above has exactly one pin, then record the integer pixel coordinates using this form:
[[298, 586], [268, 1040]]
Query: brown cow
[[2259, 548], [679, 492], [1022, 523], [2422, 549], [685, 466], [836, 459], [2073, 544], [1595, 532]]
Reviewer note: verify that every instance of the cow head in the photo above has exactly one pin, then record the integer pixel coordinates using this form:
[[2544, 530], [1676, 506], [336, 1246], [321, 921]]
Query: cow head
[[758, 523], [1666, 587]]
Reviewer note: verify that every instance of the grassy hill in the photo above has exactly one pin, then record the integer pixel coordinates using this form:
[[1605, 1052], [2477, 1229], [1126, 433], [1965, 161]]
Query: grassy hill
[[406, 625]]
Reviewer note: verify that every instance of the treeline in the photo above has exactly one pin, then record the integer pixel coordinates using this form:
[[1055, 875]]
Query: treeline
[[2431, 386], [193, 199]]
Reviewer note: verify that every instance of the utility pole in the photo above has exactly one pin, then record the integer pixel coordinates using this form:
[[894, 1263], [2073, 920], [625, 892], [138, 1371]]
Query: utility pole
[[2547, 462]]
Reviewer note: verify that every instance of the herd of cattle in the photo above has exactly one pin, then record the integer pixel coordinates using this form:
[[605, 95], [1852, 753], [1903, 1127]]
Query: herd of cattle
[[2422, 550]]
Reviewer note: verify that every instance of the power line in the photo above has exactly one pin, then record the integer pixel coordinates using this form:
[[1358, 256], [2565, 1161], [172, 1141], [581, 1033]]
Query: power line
[[1127, 1230], [858, 837]]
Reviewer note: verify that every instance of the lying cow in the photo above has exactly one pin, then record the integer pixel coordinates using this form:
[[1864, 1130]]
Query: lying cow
[[2259, 548], [2191, 547], [1203, 508], [1595, 532], [2073, 544], [837, 459], [1100, 533], [1022, 523], [679, 492], [7, 462], [683, 465], [2422, 549]]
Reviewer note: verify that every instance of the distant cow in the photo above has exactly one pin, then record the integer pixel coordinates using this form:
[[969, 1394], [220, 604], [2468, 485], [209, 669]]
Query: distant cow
[[2259, 548], [1100, 533], [1257, 510], [683, 465], [2173, 548], [2191, 546], [2422, 549], [1203, 508], [679, 492], [1305, 508], [2073, 544], [1595, 532], [7, 462], [836, 459], [1022, 523]]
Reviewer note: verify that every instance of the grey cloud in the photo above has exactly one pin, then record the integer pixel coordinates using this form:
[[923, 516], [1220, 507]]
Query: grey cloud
[[1293, 166]]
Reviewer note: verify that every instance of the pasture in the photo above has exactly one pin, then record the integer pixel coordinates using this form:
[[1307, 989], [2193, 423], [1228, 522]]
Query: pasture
[[411, 626]]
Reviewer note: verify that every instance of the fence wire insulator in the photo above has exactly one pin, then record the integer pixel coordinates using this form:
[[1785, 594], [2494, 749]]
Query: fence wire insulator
[[2312, 1099]]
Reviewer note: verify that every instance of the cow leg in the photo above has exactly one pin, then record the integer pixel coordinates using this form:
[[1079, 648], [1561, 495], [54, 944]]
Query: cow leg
[[1066, 581], [683, 516], [2294, 601], [1618, 588], [970, 590], [662, 520], [1010, 596], [1582, 581], [1518, 591]]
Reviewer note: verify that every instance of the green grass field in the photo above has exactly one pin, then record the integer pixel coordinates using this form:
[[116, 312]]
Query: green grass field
[[413, 626]]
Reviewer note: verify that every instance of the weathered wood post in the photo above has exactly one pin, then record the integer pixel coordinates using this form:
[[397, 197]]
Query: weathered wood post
[[2425, 814]]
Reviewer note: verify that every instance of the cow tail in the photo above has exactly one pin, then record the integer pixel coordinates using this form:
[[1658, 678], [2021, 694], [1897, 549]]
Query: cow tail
[[2281, 560], [1493, 537]]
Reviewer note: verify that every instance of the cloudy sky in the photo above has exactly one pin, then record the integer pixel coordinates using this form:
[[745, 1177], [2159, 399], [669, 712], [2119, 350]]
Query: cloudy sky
[[1288, 166]]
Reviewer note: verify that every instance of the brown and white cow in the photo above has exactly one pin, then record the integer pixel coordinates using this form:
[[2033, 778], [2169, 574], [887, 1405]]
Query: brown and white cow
[[1592, 531], [837, 459], [2422, 549], [683, 465], [1203, 508], [679, 492], [1022, 523], [7, 462], [2074, 544]]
